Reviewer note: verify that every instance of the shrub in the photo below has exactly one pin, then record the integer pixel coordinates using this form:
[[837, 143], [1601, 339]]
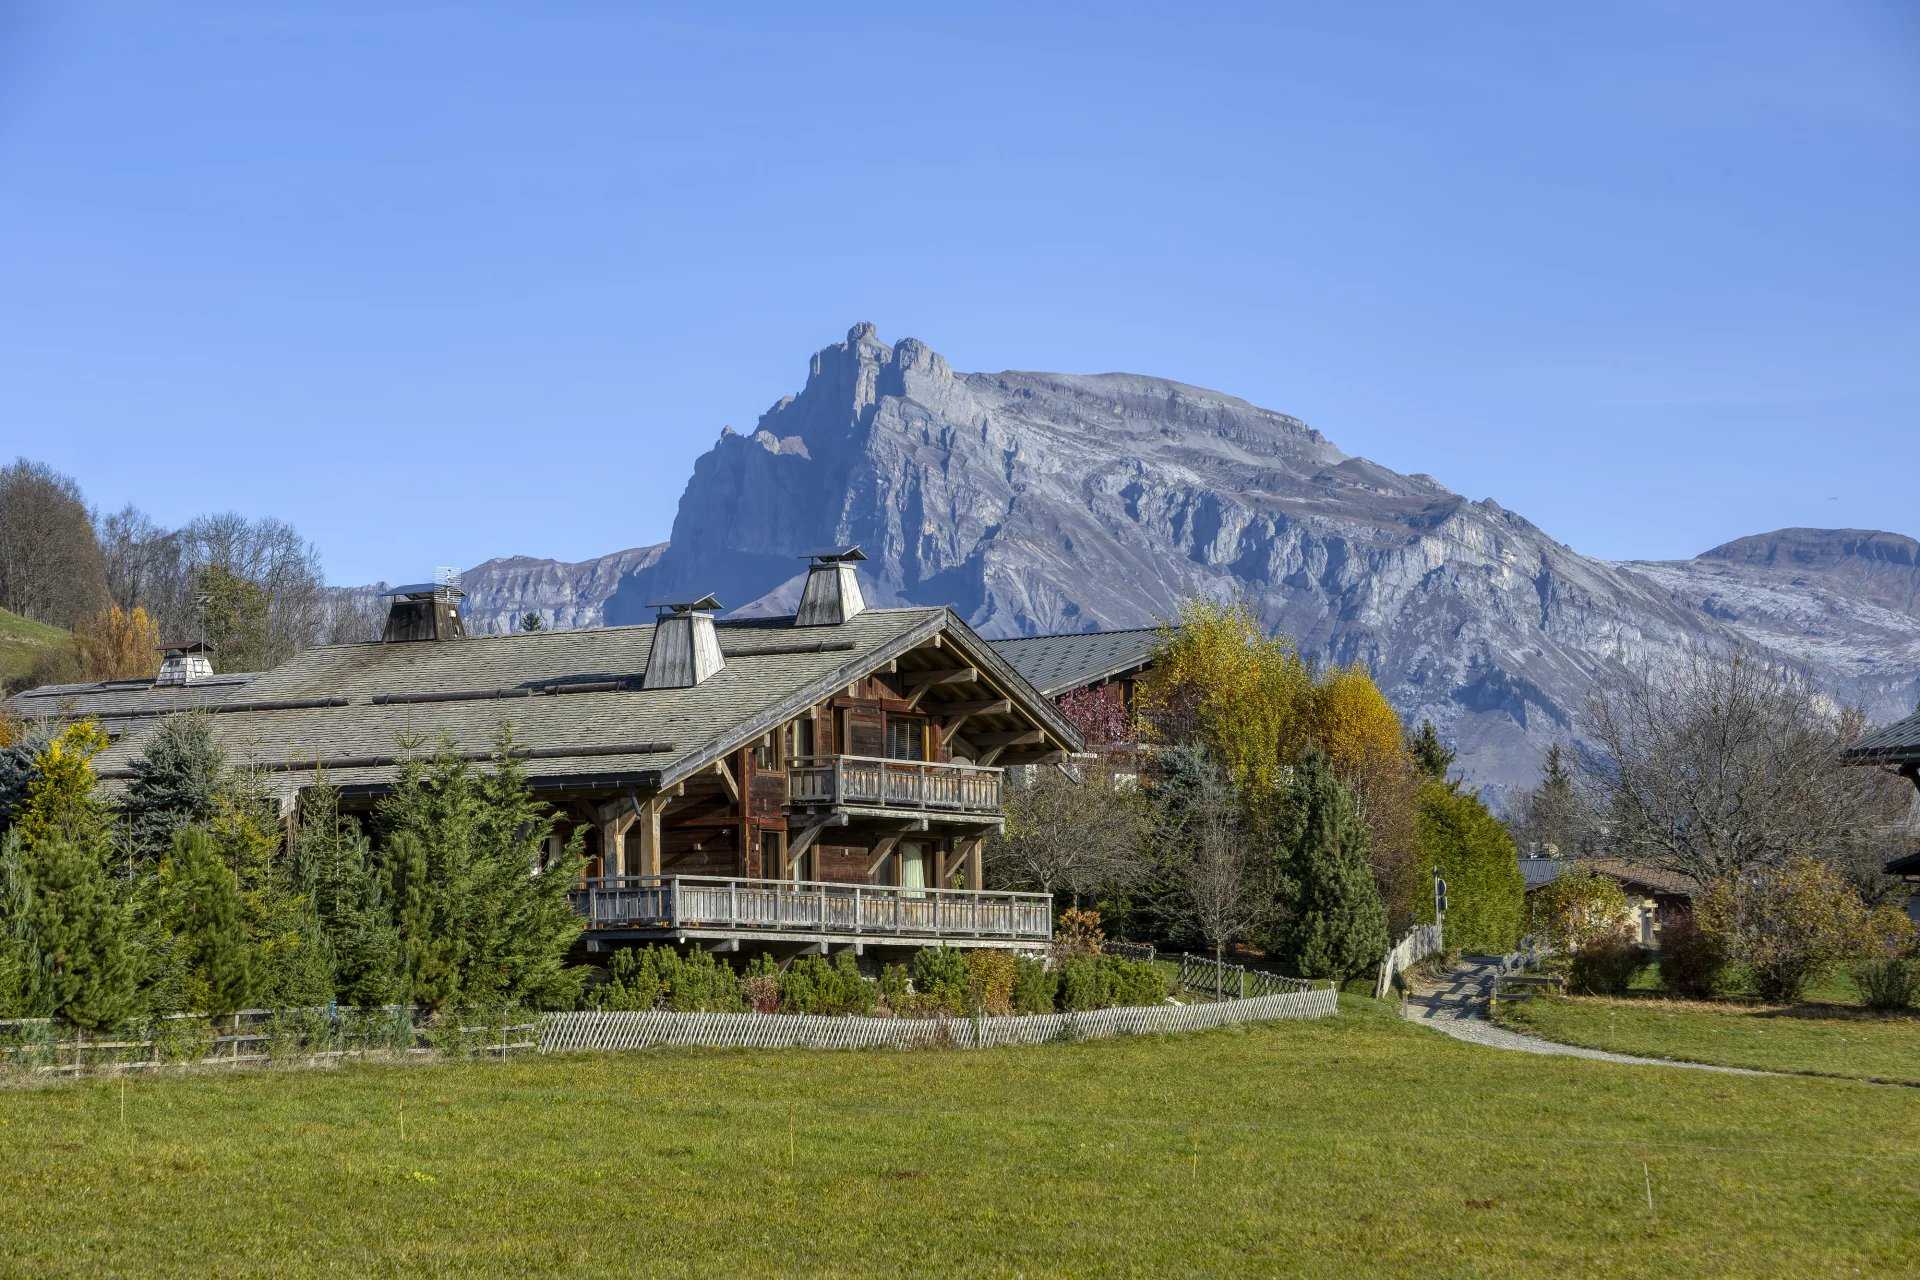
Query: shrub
[[1787, 924], [1486, 897], [658, 977], [1078, 933], [895, 986], [1692, 961], [1887, 983], [811, 985], [1034, 986], [1606, 966], [1101, 982], [1578, 906], [940, 974], [1136, 982], [990, 979]]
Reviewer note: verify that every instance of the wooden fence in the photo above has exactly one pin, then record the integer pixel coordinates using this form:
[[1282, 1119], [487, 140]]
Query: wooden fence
[[572, 1032], [1234, 981], [1422, 940]]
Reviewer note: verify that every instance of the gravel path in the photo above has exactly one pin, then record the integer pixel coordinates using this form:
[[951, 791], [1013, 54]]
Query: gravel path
[[1458, 1007]]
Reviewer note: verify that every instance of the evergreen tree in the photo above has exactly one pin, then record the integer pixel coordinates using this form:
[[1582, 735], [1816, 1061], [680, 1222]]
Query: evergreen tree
[[479, 923], [200, 911], [19, 762], [1550, 813], [1430, 756], [1337, 927], [71, 928], [530, 621], [290, 960], [60, 801], [1472, 851], [334, 867], [176, 783]]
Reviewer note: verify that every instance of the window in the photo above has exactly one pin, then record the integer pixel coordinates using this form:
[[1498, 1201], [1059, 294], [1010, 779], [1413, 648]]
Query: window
[[906, 738], [800, 738]]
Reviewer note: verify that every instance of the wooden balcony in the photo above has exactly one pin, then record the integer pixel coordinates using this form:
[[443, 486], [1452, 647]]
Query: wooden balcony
[[716, 907], [918, 786]]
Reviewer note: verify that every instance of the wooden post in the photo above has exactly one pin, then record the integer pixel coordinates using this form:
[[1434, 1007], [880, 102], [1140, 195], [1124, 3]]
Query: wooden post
[[650, 812], [973, 848]]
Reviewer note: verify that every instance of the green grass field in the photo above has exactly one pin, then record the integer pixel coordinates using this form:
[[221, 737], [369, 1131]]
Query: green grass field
[[1824, 1039], [22, 642], [1362, 1146]]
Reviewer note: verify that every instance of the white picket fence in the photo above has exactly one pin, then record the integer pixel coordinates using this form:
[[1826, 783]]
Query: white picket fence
[[571, 1032], [1422, 940]]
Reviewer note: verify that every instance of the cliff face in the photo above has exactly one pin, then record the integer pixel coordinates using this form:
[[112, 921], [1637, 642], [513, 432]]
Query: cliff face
[[1038, 502]]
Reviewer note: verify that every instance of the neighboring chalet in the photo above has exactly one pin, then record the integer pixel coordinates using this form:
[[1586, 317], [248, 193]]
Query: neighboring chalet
[[826, 779], [1064, 664], [1656, 898], [1897, 747]]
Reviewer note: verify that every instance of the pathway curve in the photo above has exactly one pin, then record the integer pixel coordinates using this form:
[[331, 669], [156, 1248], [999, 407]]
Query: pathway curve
[[1457, 1006]]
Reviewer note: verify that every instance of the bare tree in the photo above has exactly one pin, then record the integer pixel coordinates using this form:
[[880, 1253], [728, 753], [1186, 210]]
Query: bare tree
[[1221, 884], [50, 564], [1078, 829], [1724, 762]]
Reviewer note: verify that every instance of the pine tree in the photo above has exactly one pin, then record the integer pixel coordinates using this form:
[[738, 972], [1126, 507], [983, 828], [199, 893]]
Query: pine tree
[[333, 865], [477, 922], [291, 964], [72, 927], [176, 783], [200, 908], [1337, 927], [530, 621], [1550, 813], [1430, 756]]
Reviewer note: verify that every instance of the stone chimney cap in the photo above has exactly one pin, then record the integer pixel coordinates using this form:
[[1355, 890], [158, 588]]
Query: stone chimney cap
[[836, 555]]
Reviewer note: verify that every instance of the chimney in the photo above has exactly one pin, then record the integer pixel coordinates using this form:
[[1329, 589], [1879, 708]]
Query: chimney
[[833, 591], [183, 664], [685, 649], [425, 611]]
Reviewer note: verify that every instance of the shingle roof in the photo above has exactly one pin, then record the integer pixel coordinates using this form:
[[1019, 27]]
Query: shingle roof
[[1056, 664], [121, 705], [1535, 872], [1895, 743], [572, 698]]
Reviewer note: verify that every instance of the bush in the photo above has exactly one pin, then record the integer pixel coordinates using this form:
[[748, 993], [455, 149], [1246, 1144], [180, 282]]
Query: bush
[[895, 986], [1486, 897], [1887, 984], [990, 979], [1102, 982], [657, 977], [1034, 986], [1078, 933], [1578, 906], [1787, 924], [940, 975], [811, 985], [1692, 961], [1606, 966]]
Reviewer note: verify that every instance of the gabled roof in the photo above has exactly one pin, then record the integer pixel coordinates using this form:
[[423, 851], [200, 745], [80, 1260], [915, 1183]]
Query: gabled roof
[[573, 699], [1059, 663], [1896, 743], [123, 705], [1535, 872]]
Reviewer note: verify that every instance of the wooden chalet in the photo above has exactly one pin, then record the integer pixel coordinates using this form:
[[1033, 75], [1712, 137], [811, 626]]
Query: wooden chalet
[[1058, 665], [826, 779], [1896, 747]]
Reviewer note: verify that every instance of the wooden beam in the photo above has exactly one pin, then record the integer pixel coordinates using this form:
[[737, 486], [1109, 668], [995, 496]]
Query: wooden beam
[[1018, 738], [649, 819], [955, 675], [727, 780], [978, 707], [990, 755], [882, 850], [799, 844]]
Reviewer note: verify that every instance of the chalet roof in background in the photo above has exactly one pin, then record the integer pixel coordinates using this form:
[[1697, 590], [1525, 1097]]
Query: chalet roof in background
[[119, 705], [1896, 743], [1535, 872], [573, 699], [1056, 664]]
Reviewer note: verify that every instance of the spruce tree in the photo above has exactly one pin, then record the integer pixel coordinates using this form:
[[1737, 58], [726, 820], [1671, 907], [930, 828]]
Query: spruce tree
[[1430, 756], [18, 768], [1550, 813], [291, 965], [176, 783], [334, 867], [1337, 927], [211, 955], [72, 925], [479, 922]]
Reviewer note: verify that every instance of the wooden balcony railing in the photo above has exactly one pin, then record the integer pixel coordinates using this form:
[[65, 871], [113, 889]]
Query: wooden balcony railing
[[811, 906], [870, 781]]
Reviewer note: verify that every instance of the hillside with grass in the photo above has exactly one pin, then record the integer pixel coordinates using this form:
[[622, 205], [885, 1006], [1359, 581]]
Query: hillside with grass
[[24, 642]]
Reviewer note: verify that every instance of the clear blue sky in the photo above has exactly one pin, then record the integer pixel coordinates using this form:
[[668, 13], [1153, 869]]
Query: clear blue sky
[[1646, 273]]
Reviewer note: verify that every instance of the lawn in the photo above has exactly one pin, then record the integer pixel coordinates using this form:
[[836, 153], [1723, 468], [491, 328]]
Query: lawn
[[22, 641], [1824, 1039], [1362, 1146]]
